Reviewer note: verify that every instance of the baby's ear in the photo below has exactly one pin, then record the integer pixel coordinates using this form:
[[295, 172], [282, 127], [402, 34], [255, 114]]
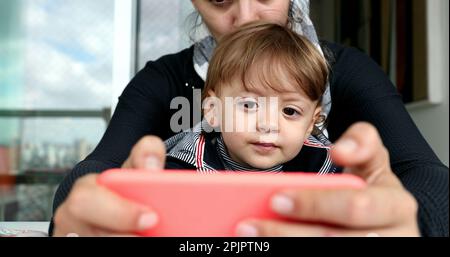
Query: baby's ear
[[317, 118], [211, 109]]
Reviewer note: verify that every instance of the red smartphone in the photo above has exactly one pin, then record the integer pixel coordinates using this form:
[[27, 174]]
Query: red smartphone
[[191, 204]]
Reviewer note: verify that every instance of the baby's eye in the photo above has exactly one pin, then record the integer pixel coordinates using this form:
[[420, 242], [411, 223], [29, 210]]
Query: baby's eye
[[291, 112], [249, 105]]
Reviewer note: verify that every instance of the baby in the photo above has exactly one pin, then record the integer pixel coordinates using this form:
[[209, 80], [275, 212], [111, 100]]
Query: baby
[[261, 101]]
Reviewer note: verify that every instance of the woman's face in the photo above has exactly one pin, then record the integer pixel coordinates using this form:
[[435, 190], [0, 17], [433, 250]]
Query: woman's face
[[224, 16]]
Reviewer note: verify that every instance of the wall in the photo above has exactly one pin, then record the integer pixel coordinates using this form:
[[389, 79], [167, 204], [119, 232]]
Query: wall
[[433, 120]]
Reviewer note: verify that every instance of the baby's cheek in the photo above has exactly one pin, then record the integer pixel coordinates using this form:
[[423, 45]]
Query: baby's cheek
[[234, 141], [292, 147]]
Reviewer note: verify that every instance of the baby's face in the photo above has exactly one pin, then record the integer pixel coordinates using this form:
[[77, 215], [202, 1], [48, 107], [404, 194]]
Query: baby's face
[[265, 128]]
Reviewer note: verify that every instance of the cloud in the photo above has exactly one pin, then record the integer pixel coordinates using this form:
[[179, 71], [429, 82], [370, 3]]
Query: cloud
[[69, 54], [163, 29], [68, 58], [69, 51]]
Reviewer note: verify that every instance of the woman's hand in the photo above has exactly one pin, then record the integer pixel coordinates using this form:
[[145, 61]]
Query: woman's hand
[[92, 210], [149, 154], [383, 208]]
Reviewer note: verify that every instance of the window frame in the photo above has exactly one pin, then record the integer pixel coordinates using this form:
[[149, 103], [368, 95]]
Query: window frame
[[125, 39]]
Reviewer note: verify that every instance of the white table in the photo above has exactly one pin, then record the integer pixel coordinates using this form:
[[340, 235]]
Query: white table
[[26, 229]]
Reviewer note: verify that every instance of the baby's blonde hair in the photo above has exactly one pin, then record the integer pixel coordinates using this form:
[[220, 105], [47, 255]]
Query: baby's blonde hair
[[276, 51]]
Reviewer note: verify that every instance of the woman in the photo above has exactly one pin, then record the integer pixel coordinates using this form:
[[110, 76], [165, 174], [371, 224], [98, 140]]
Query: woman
[[408, 186]]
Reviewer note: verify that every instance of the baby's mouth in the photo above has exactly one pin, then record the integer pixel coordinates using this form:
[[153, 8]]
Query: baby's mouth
[[264, 147], [265, 144]]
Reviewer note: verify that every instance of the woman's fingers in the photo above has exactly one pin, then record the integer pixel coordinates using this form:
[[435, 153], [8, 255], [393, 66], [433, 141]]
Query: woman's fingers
[[73, 228], [362, 152], [93, 210], [371, 207], [68, 226], [149, 153], [383, 205], [269, 228], [91, 207]]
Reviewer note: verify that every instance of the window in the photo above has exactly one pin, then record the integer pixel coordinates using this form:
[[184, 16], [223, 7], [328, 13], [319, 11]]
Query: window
[[63, 64], [163, 28], [55, 83]]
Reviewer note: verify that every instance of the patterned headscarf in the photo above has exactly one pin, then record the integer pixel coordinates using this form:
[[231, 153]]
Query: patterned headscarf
[[300, 22]]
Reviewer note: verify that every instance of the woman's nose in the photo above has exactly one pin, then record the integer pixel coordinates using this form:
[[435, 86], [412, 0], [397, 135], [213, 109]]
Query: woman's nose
[[245, 11]]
